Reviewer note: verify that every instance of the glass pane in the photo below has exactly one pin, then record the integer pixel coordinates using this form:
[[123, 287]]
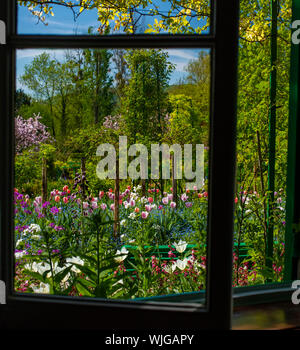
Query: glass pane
[[130, 17], [81, 226], [260, 192]]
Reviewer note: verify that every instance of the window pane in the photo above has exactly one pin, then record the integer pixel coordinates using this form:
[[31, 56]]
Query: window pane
[[106, 17], [80, 116], [260, 192]]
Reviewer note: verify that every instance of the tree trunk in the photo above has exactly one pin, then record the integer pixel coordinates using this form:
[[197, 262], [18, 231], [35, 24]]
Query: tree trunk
[[44, 180], [116, 202], [174, 181]]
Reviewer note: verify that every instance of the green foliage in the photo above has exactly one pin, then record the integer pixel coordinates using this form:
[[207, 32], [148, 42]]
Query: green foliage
[[145, 103]]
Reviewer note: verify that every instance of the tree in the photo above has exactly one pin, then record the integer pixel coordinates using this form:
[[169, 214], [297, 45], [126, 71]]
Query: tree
[[40, 76], [145, 102], [176, 16], [98, 82], [122, 74], [21, 99], [29, 132]]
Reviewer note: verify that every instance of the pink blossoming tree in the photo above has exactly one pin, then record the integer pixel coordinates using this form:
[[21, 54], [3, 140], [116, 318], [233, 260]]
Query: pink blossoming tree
[[30, 132]]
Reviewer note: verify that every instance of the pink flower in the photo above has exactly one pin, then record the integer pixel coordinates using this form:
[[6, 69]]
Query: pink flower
[[150, 200], [165, 200], [173, 205], [112, 207], [65, 200], [132, 202], [148, 207], [101, 194], [103, 206], [144, 214], [94, 205], [85, 205], [184, 197], [57, 198]]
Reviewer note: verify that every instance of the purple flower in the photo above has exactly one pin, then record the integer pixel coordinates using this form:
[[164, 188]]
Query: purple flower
[[54, 210], [188, 204]]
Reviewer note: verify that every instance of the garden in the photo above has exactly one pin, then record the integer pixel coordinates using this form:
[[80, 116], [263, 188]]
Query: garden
[[77, 234]]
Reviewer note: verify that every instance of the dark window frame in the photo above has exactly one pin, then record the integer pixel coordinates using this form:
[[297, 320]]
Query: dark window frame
[[39, 311]]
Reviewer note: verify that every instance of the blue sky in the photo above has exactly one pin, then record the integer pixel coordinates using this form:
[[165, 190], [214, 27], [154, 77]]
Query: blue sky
[[63, 23]]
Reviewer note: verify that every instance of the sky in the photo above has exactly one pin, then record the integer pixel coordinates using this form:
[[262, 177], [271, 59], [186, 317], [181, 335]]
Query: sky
[[63, 23]]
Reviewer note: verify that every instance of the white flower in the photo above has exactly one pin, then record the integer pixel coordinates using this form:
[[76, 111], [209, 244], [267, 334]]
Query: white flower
[[20, 255], [126, 204], [181, 264], [121, 255], [38, 267], [18, 242], [132, 215], [36, 237], [137, 188], [123, 222], [180, 246], [133, 196], [74, 260], [44, 288], [33, 228], [144, 200], [170, 268]]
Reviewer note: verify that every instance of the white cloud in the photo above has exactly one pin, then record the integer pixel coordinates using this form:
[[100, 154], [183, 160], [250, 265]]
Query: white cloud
[[31, 53], [187, 54]]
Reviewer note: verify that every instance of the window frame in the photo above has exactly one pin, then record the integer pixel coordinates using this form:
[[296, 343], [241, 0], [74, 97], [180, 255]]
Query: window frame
[[43, 311]]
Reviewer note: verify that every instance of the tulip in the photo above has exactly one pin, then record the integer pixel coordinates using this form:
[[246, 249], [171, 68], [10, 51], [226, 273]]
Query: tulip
[[94, 205], [180, 246], [144, 214], [150, 200], [57, 198], [65, 200], [165, 200], [121, 255], [65, 188], [103, 206], [148, 207], [173, 205], [137, 210]]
